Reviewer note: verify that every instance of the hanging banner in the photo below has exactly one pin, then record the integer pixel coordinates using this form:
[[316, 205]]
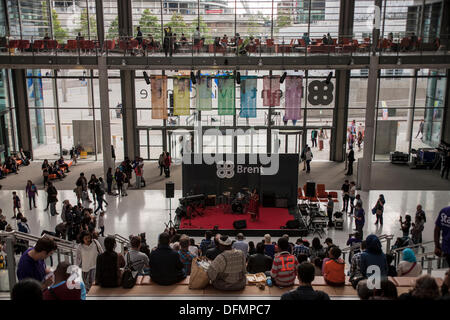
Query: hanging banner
[[271, 93], [204, 93], [226, 101], [293, 97], [181, 96], [159, 97], [248, 96]]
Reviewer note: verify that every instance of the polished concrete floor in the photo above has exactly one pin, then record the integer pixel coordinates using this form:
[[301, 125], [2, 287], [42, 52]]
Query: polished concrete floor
[[148, 211]]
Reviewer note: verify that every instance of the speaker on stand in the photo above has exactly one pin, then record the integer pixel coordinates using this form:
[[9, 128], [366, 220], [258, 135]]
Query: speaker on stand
[[170, 193]]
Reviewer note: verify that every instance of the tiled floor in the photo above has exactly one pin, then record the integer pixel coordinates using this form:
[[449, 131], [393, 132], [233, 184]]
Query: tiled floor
[[148, 211]]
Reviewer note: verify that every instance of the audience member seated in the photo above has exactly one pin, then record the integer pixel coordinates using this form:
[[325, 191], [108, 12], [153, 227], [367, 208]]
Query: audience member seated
[[318, 266], [32, 264], [305, 290], [334, 274], [392, 270], [355, 266], [22, 156], [373, 256], [227, 271], [206, 243], [387, 291], [186, 256], [425, 288], [300, 248], [240, 244], [408, 266], [316, 249], [165, 264], [213, 252], [62, 290], [62, 164], [27, 290], [269, 247], [138, 260], [284, 268], [108, 274], [259, 262]]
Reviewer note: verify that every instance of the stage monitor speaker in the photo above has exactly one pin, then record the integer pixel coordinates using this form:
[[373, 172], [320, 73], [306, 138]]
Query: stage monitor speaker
[[293, 224], [310, 189], [170, 189], [240, 224]]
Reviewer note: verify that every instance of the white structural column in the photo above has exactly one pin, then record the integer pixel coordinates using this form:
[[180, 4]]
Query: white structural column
[[369, 132], [105, 114]]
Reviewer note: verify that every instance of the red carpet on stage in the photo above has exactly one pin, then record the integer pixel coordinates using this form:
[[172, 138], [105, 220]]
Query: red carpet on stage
[[269, 218]]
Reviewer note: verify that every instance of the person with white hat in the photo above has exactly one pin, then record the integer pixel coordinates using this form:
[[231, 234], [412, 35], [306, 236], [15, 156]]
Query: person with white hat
[[227, 271]]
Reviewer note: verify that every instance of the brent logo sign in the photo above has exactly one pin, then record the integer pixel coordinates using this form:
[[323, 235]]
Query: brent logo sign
[[227, 169]]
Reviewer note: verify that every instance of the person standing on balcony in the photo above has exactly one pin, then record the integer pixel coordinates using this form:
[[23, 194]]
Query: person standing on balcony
[[196, 38], [168, 41]]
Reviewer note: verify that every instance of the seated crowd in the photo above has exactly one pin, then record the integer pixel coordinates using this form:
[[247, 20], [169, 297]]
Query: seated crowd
[[13, 162], [230, 260]]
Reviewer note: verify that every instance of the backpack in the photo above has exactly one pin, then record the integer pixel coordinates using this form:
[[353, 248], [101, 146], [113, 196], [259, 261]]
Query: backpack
[[128, 279]]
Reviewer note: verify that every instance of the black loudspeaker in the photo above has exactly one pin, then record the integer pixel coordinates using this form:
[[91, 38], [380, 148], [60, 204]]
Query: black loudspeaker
[[170, 189], [310, 189], [240, 224], [293, 224]]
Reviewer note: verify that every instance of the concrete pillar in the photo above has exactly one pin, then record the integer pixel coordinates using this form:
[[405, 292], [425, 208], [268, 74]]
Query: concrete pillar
[[444, 36], [340, 115], [125, 18], [445, 131], [105, 114], [100, 22], [369, 132], [22, 111], [411, 104], [130, 139]]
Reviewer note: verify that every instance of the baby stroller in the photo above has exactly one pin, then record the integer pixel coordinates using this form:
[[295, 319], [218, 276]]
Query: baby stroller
[[338, 220]]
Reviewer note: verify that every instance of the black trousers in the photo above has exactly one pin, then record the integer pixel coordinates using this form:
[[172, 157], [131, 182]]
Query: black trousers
[[445, 171], [350, 168], [33, 198], [346, 200]]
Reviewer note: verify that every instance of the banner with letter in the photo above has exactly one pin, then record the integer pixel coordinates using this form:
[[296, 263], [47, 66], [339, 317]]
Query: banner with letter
[[293, 97], [248, 96], [204, 93], [181, 96], [271, 93], [159, 97], [226, 101]]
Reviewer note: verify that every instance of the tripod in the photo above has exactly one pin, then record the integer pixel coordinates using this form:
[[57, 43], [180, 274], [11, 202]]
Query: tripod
[[170, 224]]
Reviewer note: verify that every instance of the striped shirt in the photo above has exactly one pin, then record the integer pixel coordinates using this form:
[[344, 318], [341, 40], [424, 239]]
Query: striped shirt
[[284, 269]]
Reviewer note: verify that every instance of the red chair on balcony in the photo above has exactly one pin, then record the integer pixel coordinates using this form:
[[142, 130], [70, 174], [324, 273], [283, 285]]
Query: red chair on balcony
[[321, 193], [109, 45], [13, 44], [38, 45], [52, 44], [24, 45], [334, 195], [72, 45]]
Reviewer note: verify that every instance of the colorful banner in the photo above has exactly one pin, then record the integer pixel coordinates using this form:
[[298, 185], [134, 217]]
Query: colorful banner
[[204, 93], [226, 101], [159, 97], [248, 96], [293, 97], [181, 96], [271, 93]]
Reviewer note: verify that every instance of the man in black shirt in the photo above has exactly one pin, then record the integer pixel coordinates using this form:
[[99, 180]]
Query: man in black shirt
[[350, 159], [305, 291], [259, 262], [345, 194]]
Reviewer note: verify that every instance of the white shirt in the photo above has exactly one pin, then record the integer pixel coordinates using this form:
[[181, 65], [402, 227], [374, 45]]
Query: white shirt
[[352, 191], [308, 155], [193, 250], [87, 255], [404, 266]]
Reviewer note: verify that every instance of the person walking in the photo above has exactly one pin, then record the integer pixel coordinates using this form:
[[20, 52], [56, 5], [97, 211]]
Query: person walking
[[99, 193], [91, 185], [52, 198], [345, 195], [352, 196], [138, 174], [109, 180], [418, 225], [303, 157], [359, 219], [421, 126], [379, 209], [16, 203], [350, 159], [31, 192], [81, 187], [161, 160], [314, 138], [308, 158], [119, 177], [321, 138]]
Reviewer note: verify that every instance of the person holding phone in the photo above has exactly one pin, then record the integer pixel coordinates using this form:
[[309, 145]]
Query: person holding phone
[[32, 262]]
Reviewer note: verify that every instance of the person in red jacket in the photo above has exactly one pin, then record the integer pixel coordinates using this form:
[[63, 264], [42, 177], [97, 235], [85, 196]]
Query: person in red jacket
[[167, 163]]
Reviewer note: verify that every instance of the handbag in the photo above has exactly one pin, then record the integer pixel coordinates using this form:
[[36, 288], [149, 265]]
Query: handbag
[[128, 279], [199, 277], [374, 210]]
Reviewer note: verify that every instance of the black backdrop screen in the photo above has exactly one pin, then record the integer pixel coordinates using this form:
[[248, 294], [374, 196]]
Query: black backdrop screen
[[204, 179]]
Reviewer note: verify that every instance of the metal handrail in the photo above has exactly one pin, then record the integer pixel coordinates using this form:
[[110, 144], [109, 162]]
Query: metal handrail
[[61, 243], [384, 237]]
